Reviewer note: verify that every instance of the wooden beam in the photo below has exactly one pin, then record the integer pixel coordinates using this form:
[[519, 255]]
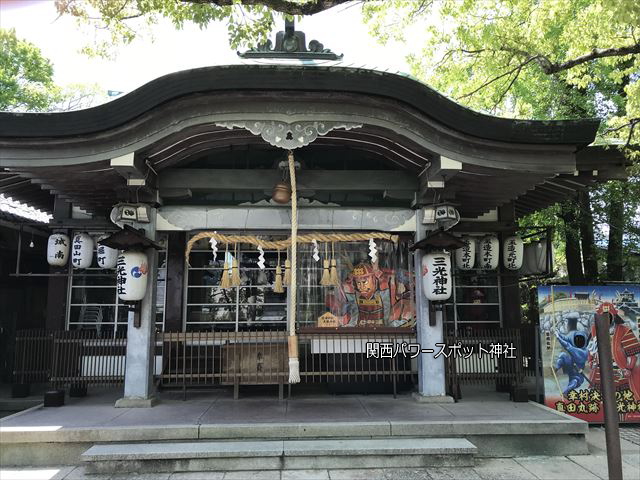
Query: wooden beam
[[317, 180], [135, 170]]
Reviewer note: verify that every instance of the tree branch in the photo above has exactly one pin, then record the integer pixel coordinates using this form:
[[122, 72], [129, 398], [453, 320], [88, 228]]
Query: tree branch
[[486, 84], [283, 6]]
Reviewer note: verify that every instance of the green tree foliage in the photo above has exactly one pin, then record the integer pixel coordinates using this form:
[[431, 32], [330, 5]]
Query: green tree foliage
[[121, 21], [26, 81], [549, 59], [26, 77]]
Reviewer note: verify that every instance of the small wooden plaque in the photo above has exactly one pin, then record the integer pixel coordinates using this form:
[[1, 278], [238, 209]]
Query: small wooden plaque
[[327, 320]]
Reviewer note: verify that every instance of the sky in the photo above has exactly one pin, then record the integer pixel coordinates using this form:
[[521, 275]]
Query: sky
[[60, 40]]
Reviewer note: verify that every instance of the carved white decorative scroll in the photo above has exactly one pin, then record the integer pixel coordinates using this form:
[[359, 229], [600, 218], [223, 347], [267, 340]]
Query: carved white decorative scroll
[[288, 135]]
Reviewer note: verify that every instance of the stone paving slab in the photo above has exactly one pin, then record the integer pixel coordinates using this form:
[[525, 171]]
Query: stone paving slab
[[97, 434], [215, 408], [445, 473], [488, 426], [196, 476], [253, 475], [188, 450], [502, 469], [555, 467], [597, 464], [399, 446], [296, 430]]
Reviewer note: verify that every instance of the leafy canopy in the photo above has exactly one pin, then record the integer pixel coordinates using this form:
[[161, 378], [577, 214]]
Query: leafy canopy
[[26, 77], [121, 21], [26, 81], [549, 59]]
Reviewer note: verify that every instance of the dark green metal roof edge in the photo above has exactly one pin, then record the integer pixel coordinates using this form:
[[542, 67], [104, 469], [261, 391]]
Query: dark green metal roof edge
[[296, 78]]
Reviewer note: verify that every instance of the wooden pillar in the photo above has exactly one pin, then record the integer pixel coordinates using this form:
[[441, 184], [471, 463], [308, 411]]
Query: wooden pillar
[[174, 286]]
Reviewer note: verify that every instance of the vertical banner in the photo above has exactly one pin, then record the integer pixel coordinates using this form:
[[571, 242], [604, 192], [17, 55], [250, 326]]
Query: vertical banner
[[570, 350]]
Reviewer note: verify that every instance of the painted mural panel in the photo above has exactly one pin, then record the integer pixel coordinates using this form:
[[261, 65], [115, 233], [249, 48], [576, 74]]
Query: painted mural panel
[[570, 351]]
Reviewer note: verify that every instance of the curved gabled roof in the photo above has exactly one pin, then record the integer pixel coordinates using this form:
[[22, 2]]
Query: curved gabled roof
[[297, 78]]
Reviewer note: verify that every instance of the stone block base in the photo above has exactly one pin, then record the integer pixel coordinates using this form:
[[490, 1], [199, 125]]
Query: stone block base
[[432, 398], [136, 402]]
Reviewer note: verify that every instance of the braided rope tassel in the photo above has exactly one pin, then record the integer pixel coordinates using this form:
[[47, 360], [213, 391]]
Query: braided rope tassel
[[334, 278], [225, 281], [277, 287], [326, 276]]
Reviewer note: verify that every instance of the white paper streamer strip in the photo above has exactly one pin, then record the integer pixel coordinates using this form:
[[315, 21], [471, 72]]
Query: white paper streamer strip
[[214, 248], [316, 251], [261, 258], [373, 250]]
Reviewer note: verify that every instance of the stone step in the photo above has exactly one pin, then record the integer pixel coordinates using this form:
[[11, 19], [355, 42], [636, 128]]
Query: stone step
[[279, 455]]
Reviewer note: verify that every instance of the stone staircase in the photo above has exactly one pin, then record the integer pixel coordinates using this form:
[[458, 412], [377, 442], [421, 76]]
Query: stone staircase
[[278, 454]]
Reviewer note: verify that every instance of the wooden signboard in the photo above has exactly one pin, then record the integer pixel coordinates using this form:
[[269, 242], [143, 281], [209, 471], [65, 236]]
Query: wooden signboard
[[327, 320]]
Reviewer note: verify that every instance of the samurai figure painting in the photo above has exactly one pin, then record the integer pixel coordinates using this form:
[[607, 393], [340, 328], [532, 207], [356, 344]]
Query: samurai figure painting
[[377, 297]]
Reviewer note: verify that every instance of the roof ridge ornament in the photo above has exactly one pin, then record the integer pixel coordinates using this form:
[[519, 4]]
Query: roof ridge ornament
[[291, 43]]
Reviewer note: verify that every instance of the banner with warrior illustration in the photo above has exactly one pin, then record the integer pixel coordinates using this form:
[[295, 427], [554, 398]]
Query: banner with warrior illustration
[[570, 351], [372, 290]]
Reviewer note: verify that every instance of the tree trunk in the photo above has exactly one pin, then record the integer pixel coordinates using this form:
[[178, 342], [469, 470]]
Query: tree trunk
[[572, 244], [616, 231], [589, 254]]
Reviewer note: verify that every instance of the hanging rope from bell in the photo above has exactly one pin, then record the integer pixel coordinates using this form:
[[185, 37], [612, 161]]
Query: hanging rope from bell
[[294, 363]]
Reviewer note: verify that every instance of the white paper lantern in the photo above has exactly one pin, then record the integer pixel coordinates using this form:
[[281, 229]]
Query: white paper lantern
[[58, 249], [513, 252], [82, 251], [106, 257], [488, 252], [436, 276], [132, 274], [466, 256]]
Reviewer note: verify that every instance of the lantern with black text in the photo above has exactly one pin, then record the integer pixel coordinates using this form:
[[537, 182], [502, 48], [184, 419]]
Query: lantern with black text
[[58, 250], [513, 252], [489, 252], [106, 257], [466, 256], [436, 276], [82, 250], [132, 274]]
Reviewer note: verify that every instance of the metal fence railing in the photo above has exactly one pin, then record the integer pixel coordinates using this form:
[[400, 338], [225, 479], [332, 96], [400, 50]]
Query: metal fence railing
[[81, 358], [198, 359], [483, 356], [69, 358], [365, 357], [32, 356], [191, 359], [261, 357]]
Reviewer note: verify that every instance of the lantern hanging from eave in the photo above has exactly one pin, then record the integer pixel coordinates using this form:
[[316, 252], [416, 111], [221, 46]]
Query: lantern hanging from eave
[[436, 276], [513, 252], [82, 250], [58, 250], [106, 257], [535, 258], [466, 255], [489, 252], [132, 274]]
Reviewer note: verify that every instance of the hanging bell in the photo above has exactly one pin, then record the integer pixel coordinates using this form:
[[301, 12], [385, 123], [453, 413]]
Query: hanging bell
[[281, 193]]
